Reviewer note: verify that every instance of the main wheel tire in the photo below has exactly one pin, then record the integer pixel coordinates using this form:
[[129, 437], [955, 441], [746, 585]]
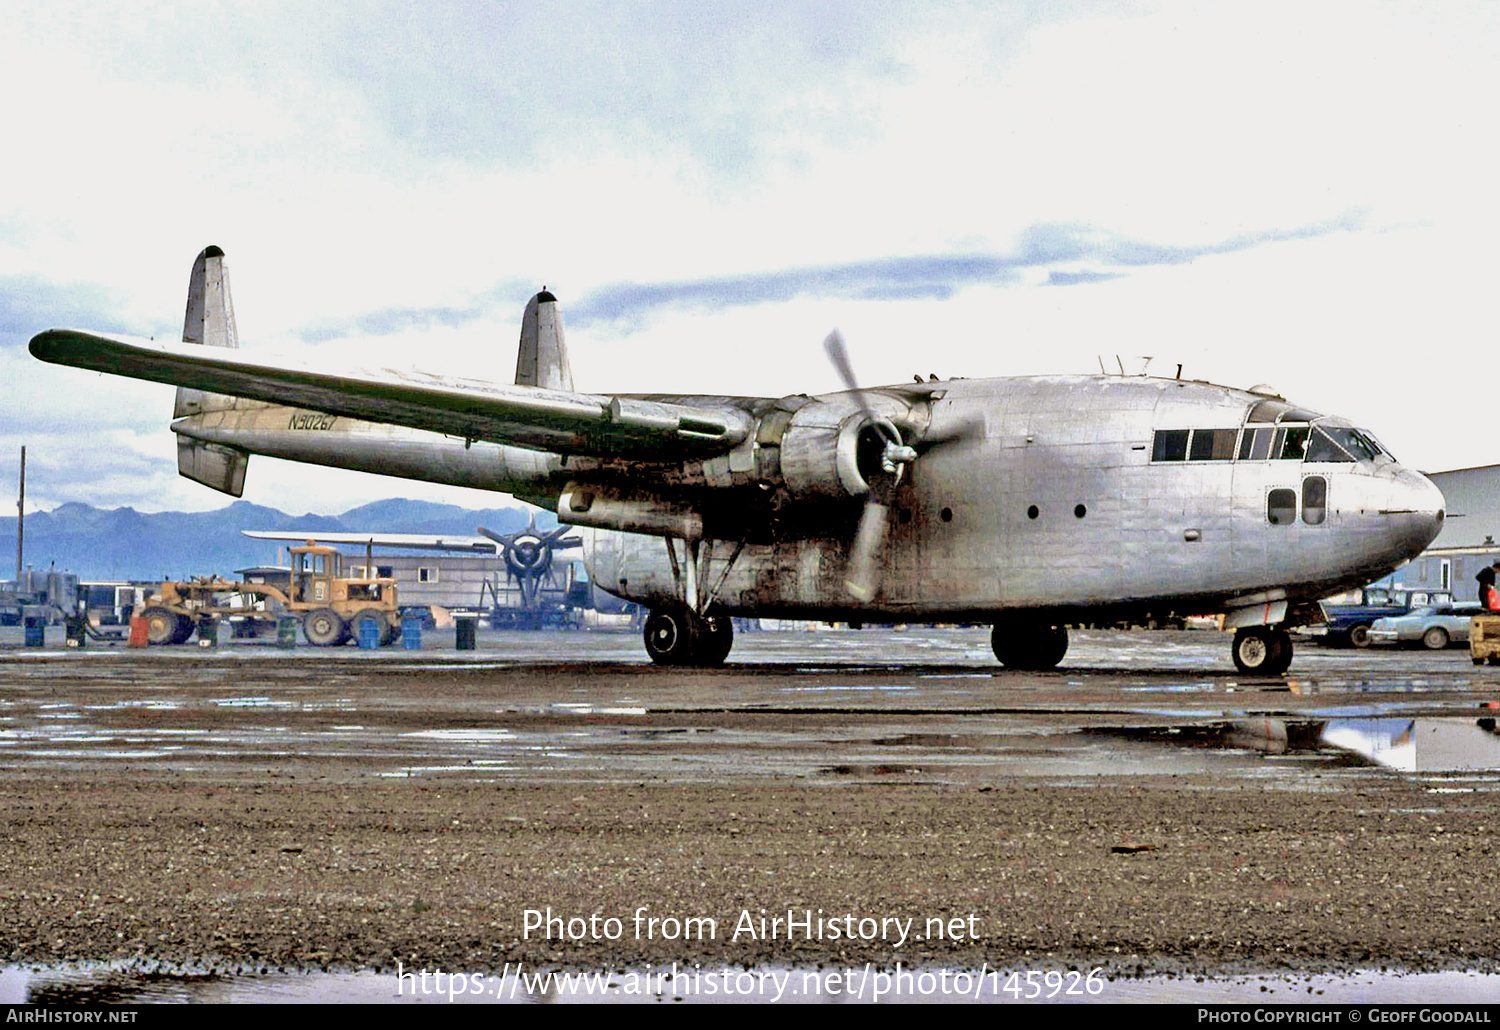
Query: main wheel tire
[[1262, 651], [1359, 636], [1029, 646], [715, 639], [670, 636], [324, 628], [1435, 639], [161, 626]]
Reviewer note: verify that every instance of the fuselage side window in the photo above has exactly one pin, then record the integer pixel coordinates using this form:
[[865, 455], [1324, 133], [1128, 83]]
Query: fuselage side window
[[1314, 500], [1170, 445], [1281, 507]]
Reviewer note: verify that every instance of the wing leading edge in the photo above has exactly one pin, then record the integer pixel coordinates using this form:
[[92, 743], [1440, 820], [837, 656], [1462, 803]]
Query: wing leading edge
[[523, 416]]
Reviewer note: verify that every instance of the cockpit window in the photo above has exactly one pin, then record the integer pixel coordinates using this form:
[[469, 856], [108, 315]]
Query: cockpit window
[[1280, 442], [1369, 438], [1213, 444], [1294, 445], [1296, 415], [1278, 411], [1339, 443], [1322, 448], [1265, 411], [1355, 442]]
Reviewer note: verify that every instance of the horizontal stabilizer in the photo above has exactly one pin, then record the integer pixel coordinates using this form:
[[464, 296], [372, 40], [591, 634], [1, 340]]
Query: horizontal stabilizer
[[222, 468]]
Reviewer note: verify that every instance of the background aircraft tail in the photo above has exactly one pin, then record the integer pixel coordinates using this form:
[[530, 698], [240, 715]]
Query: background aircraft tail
[[209, 321], [543, 357]]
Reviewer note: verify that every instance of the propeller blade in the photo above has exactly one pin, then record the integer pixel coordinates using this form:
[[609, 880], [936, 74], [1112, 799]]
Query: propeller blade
[[503, 541], [833, 344], [863, 570]]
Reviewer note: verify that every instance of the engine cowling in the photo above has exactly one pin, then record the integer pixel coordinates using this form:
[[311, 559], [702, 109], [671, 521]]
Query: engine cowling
[[832, 450]]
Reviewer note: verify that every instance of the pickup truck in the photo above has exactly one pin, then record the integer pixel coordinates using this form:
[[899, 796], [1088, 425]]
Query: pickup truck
[[1347, 617]]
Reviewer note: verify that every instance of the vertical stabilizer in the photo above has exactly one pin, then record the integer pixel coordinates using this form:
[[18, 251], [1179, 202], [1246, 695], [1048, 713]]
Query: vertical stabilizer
[[209, 321], [543, 357]]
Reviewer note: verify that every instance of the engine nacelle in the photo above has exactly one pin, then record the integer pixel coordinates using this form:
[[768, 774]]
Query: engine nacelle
[[831, 450]]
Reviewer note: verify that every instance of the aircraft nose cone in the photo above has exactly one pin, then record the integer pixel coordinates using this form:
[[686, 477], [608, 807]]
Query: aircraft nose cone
[[1425, 509]]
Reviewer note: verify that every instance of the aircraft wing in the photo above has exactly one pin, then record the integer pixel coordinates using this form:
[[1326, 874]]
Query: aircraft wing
[[410, 541], [524, 416]]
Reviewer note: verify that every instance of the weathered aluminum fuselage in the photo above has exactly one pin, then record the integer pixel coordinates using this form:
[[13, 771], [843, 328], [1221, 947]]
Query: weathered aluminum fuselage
[[1050, 494]]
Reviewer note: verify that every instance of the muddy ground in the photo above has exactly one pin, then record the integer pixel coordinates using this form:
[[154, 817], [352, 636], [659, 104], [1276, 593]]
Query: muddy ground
[[310, 827]]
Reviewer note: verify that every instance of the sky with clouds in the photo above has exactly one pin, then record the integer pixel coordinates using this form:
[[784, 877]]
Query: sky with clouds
[[1296, 194]]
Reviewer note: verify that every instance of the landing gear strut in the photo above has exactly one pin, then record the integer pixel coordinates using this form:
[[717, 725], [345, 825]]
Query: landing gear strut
[[1262, 650], [695, 631], [1031, 646]]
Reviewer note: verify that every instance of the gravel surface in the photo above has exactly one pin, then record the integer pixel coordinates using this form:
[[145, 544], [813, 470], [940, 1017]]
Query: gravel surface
[[1165, 875]]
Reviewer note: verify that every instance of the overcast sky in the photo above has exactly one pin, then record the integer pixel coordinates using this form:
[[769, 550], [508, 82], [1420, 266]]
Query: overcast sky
[[1297, 194]]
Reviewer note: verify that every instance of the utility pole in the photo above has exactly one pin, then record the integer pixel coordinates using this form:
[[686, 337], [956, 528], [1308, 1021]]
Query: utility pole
[[21, 520]]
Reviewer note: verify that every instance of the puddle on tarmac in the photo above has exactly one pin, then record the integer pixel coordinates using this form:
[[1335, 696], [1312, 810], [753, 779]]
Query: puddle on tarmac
[[102, 984], [1421, 744]]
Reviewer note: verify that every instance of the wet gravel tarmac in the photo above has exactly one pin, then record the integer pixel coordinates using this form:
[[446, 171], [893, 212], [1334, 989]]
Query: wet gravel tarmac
[[1143, 808]]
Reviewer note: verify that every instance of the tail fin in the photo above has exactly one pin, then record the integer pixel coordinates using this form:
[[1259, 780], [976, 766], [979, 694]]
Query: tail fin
[[543, 357], [209, 321]]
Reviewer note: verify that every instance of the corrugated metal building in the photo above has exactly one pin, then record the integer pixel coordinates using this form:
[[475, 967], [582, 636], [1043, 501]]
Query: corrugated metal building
[[1470, 538]]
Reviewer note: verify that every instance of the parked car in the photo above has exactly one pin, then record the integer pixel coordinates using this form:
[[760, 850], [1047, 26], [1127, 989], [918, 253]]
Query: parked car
[[1349, 616], [1434, 627]]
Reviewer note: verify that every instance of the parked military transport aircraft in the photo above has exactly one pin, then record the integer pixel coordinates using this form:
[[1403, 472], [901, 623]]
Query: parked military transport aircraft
[[1026, 503]]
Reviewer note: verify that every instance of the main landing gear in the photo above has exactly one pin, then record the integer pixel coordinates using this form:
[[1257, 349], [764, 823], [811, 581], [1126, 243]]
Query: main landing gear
[[1262, 650], [1029, 646], [695, 631], [680, 636]]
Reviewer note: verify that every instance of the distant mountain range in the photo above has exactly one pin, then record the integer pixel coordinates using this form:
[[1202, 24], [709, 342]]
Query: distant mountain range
[[122, 543]]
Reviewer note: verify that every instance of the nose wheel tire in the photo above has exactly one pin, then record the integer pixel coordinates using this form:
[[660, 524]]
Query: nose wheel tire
[[676, 636], [1262, 651]]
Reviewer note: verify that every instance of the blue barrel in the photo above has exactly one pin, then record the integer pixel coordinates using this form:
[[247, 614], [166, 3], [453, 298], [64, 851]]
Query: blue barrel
[[36, 631], [286, 632], [369, 634], [411, 633]]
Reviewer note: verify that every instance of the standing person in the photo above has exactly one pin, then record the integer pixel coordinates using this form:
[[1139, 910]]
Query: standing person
[[1489, 600]]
